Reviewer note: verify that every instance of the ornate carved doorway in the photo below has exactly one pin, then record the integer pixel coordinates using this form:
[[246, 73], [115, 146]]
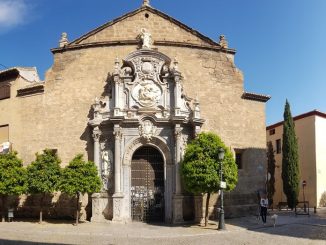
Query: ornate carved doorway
[[147, 185]]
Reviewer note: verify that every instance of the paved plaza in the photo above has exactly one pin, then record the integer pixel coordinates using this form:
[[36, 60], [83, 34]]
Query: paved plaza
[[289, 229]]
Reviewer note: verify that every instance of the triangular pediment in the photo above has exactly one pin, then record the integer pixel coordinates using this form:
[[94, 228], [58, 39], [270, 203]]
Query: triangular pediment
[[162, 27]]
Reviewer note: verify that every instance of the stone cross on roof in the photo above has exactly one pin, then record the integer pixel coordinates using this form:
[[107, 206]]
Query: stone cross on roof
[[146, 3]]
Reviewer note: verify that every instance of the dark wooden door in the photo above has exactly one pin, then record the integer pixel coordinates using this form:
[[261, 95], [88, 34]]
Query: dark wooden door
[[147, 185]]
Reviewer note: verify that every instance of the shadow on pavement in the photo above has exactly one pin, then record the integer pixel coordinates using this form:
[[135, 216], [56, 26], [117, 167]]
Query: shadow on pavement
[[16, 242], [287, 224]]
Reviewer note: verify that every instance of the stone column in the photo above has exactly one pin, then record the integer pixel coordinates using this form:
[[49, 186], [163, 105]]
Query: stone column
[[116, 78], [177, 198], [177, 89], [99, 200], [97, 160], [118, 195]]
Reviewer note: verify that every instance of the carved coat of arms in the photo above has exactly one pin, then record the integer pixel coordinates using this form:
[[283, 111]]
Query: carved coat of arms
[[147, 130]]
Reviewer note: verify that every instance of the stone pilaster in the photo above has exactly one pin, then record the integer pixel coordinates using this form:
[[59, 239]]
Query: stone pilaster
[[97, 156], [199, 215], [177, 198], [118, 195]]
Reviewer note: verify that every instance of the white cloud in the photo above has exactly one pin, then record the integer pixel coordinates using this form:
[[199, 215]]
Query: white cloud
[[12, 13]]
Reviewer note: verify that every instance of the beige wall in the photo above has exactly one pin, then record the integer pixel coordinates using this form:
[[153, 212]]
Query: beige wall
[[321, 156], [307, 135]]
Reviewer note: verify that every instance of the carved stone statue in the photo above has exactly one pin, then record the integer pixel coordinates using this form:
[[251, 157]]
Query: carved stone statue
[[223, 42], [106, 169], [146, 3], [64, 40], [146, 37]]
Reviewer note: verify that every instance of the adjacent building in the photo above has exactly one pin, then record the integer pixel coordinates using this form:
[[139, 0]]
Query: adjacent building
[[310, 130], [129, 95]]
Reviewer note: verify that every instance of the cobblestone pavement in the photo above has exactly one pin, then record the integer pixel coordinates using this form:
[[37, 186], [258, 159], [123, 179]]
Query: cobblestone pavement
[[289, 229]]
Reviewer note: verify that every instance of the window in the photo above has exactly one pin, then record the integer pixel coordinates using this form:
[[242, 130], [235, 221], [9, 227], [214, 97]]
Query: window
[[4, 91], [272, 131], [278, 146]]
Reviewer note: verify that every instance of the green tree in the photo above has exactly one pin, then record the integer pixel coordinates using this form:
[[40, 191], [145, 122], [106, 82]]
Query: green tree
[[200, 167], [290, 159], [44, 175], [12, 178], [80, 177], [270, 172]]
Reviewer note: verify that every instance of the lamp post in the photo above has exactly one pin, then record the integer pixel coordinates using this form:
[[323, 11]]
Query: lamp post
[[304, 183], [221, 224]]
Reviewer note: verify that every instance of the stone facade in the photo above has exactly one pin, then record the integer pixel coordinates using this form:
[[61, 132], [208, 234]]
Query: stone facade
[[62, 115]]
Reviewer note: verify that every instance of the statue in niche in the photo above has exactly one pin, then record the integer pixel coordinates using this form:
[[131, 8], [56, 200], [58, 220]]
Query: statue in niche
[[106, 168], [146, 37]]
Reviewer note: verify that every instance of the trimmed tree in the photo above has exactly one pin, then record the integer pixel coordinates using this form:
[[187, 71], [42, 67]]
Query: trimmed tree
[[290, 159], [80, 177], [12, 178], [270, 185], [200, 167], [44, 175]]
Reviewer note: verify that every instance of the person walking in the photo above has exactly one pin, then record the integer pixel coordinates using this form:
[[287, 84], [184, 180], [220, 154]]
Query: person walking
[[263, 207]]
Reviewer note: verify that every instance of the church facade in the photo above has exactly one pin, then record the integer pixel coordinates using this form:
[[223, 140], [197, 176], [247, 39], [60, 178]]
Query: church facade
[[130, 95]]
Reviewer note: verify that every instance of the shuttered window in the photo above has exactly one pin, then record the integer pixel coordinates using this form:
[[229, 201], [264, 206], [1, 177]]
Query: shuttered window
[[4, 91]]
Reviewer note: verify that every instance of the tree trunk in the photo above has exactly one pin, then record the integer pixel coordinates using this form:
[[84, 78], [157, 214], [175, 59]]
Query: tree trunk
[[206, 210], [41, 208], [4, 205], [77, 209]]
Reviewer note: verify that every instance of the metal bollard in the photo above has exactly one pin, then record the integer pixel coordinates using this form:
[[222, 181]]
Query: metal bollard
[[315, 209]]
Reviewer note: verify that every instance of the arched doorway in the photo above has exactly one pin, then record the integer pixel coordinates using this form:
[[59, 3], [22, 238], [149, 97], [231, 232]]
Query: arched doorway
[[147, 185]]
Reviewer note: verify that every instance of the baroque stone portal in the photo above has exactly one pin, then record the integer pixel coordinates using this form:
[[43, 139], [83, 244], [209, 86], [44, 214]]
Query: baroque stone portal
[[148, 108]]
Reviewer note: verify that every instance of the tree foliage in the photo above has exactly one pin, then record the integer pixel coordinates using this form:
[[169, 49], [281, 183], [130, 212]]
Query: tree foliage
[[44, 175], [78, 177], [290, 159], [271, 170], [12, 177], [200, 167]]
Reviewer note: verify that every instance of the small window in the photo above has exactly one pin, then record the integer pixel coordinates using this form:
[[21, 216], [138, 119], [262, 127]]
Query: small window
[[278, 146], [4, 91], [272, 131]]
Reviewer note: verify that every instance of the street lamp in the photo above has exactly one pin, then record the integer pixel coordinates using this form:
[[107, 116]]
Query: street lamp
[[304, 183], [221, 224]]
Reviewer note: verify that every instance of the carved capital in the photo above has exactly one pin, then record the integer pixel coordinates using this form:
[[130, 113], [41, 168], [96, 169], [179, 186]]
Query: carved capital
[[96, 134], [177, 132], [117, 132]]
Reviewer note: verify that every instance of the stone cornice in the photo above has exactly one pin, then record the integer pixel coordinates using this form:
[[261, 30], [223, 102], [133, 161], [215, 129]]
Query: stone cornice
[[31, 90], [255, 97], [136, 42]]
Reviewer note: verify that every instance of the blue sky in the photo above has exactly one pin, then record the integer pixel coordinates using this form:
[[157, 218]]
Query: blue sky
[[280, 44]]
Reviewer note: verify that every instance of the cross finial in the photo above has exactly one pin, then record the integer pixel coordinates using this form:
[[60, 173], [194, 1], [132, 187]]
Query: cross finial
[[146, 3]]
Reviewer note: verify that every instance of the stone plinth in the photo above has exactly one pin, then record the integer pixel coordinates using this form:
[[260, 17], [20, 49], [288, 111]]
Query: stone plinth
[[100, 207]]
